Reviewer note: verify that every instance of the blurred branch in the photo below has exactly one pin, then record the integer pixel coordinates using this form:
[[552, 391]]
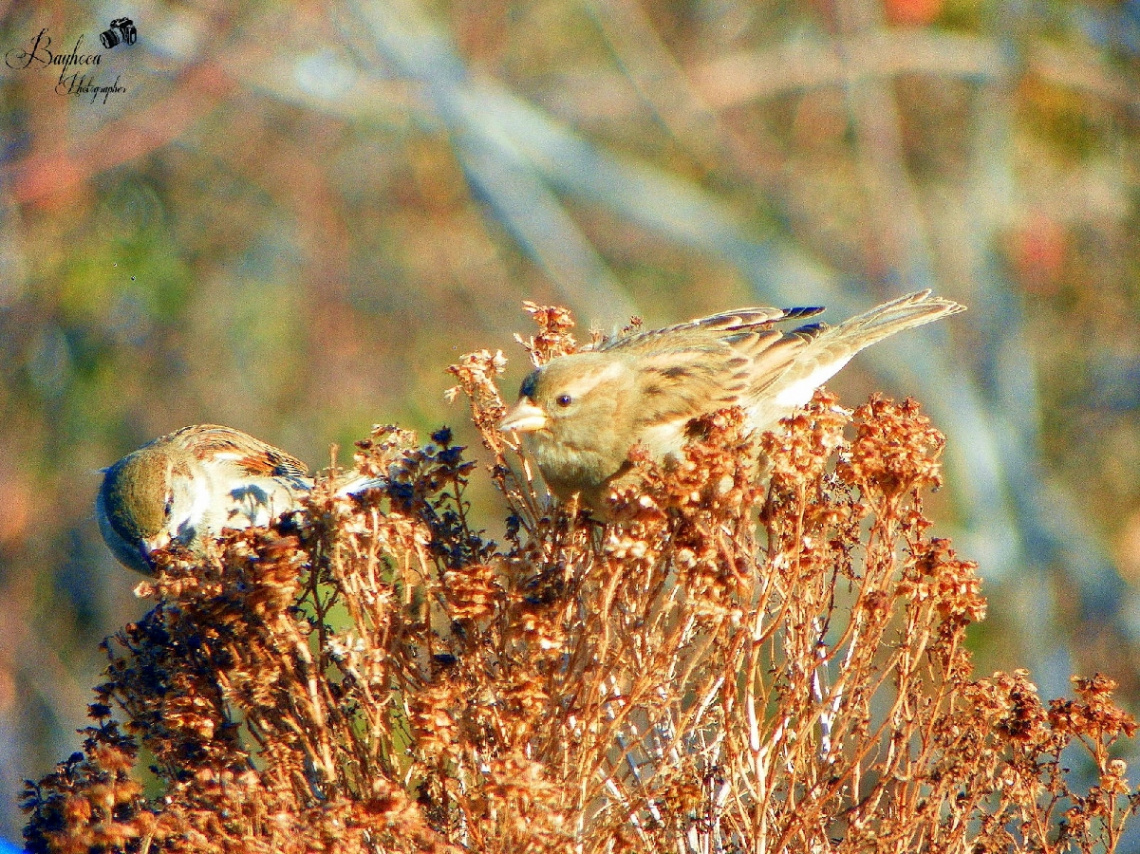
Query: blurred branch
[[881, 53], [509, 184], [660, 80]]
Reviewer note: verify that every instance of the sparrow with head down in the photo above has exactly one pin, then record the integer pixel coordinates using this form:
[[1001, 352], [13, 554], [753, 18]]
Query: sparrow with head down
[[191, 485], [580, 414]]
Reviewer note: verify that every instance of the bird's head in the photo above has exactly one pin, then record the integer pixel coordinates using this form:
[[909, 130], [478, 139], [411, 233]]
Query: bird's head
[[135, 503], [572, 398], [574, 417]]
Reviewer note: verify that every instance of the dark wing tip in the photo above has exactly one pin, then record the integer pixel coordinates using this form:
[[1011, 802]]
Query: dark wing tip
[[808, 331], [741, 319], [801, 312]]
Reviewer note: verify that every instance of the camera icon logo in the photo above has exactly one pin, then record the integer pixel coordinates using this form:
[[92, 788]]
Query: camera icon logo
[[121, 30]]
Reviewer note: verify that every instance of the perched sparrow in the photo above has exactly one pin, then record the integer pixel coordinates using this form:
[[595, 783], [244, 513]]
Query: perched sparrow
[[193, 484], [579, 415]]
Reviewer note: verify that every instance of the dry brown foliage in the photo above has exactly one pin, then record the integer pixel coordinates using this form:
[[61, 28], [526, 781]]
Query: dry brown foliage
[[736, 664]]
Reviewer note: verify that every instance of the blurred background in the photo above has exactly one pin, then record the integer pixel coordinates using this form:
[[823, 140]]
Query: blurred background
[[295, 216]]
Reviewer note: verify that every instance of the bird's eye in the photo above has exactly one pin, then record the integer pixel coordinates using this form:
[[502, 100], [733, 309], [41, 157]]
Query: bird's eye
[[564, 400], [169, 506]]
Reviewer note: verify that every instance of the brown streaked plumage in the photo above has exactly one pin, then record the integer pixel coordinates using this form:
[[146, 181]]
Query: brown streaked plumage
[[579, 415], [193, 484]]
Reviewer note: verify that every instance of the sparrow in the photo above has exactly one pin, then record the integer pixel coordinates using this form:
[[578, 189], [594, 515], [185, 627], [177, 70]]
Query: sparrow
[[191, 485], [579, 415]]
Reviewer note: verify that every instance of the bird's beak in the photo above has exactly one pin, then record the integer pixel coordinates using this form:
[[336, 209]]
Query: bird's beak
[[523, 417], [149, 545]]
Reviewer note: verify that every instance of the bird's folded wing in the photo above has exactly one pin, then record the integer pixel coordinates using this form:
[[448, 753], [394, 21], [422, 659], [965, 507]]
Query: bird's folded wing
[[252, 455], [715, 327]]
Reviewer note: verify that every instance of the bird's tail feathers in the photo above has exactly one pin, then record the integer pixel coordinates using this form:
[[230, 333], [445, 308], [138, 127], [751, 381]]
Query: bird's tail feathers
[[831, 348], [885, 320]]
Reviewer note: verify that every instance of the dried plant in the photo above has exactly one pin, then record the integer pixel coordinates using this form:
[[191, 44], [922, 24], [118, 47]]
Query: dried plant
[[735, 664]]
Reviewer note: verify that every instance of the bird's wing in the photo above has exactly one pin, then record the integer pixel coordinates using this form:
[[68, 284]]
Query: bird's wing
[[681, 383], [707, 329], [692, 374], [684, 382], [252, 455]]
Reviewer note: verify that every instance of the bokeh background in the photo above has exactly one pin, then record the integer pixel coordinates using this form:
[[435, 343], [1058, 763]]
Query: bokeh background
[[297, 215]]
